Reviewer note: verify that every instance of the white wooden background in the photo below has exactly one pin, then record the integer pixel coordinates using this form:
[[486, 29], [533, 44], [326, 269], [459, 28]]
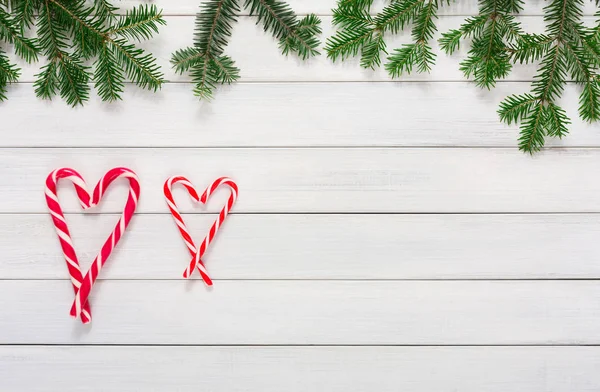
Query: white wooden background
[[388, 235]]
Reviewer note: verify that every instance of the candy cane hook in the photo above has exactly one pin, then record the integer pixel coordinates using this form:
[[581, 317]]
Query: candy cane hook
[[62, 229]]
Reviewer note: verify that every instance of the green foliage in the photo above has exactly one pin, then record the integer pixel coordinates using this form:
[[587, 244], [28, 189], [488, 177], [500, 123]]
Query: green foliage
[[71, 35], [359, 33], [10, 32], [206, 61], [567, 50], [490, 32]]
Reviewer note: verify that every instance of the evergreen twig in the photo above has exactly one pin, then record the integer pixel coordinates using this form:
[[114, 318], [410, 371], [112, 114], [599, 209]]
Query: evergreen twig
[[71, 33], [206, 61], [360, 33], [564, 50]]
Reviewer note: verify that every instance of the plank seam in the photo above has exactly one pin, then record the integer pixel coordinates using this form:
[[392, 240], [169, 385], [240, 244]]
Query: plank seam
[[524, 345]]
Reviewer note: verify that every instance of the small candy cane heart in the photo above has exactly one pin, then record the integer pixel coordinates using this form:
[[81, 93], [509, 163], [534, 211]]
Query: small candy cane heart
[[187, 238], [197, 253]]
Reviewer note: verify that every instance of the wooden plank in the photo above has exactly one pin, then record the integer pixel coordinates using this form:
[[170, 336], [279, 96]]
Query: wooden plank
[[299, 114], [320, 7], [325, 179], [298, 369], [319, 247], [305, 313], [264, 62]]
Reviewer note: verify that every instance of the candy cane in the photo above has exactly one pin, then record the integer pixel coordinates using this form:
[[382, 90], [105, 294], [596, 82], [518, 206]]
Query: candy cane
[[218, 222], [63, 230], [187, 238], [83, 284], [81, 296]]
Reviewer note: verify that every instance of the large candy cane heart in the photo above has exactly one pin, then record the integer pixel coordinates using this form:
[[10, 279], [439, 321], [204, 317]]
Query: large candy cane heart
[[83, 284], [198, 252]]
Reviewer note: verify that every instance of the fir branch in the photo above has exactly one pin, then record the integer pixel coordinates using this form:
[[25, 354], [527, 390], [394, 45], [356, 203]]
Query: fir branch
[[213, 30], [140, 67], [213, 71], [25, 48], [24, 12], [349, 17], [565, 49], [529, 48], [206, 61], [52, 37], [104, 10], [402, 60], [46, 84], [278, 18], [450, 41], [139, 24], [303, 41], [589, 101], [348, 43], [532, 132], [419, 53], [395, 16], [363, 5], [492, 33], [184, 59], [86, 31], [515, 108], [225, 69], [556, 121], [108, 76], [514, 6], [371, 51], [73, 80], [9, 73], [359, 33], [72, 32], [214, 26]]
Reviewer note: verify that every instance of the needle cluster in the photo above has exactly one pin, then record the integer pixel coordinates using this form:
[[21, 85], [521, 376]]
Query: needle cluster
[[206, 60], [80, 42]]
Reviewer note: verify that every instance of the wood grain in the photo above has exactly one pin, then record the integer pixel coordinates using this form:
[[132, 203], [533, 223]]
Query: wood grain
[[382, 241], [283, 115], [324, 180], [305, 313], [319, 247], [298, 369]]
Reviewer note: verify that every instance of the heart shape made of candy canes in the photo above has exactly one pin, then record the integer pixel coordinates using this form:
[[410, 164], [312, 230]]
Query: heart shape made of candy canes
[[198, 252], [83, 284]]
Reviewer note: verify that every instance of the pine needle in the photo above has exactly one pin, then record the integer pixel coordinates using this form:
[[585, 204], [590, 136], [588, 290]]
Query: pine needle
[[71, 32], [206, 61]]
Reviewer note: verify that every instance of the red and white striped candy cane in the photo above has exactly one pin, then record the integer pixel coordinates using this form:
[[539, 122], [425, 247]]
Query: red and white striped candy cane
[[63, 230], [187, 238], [197, 253], [81, 297], [218, 222], [82, 285]]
